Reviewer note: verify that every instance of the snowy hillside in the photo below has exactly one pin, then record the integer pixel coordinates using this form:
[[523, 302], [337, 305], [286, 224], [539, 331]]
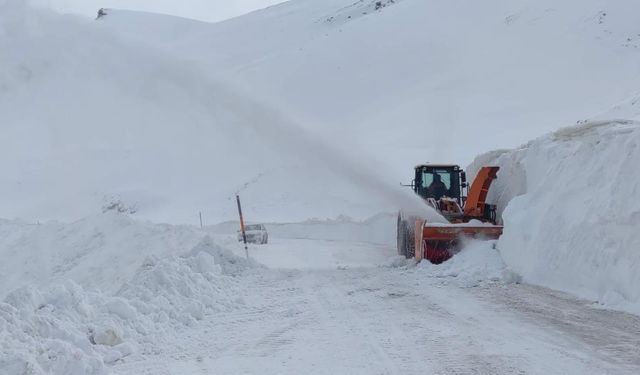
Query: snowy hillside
[[571, 211], [168, 133], [109, 123], [416, 81], [207, 10]]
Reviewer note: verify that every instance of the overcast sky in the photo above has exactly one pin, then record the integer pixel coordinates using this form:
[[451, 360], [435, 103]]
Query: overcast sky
[[206, 10]]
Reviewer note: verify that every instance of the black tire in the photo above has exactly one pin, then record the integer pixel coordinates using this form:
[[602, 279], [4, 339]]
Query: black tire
[[405, 238], [400, 238]]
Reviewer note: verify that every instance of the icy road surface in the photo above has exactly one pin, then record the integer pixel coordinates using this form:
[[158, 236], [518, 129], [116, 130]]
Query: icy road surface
[[333, 308]]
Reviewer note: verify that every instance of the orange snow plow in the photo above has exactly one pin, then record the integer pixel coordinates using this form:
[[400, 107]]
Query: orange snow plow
[[465, 216]]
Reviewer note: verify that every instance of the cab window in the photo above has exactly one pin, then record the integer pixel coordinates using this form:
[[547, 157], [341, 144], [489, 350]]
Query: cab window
[[428, 177]]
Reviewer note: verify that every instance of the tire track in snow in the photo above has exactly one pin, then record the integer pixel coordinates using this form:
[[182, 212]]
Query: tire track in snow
[[614, 336], [419, 331], [332, 305], [393, 321]]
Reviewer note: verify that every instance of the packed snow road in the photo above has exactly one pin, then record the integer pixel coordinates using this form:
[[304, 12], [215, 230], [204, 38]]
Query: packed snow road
[[327, 308]]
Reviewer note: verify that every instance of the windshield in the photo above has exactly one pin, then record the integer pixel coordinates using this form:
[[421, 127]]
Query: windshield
[[442, 175], [254, 227], [437, 183]]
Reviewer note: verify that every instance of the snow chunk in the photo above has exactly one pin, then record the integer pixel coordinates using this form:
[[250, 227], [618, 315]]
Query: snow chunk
[[108, 335], [478, 262]]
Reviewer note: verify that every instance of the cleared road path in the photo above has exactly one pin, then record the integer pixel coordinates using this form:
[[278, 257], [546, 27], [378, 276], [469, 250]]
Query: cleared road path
[[381, 320]]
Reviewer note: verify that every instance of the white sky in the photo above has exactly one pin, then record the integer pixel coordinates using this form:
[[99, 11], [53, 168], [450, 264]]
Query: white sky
[[205, 10]]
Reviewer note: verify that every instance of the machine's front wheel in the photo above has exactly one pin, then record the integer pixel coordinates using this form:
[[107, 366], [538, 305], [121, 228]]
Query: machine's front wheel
[[405, 238]]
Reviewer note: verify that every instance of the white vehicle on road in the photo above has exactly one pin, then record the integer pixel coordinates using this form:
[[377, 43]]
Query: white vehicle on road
[[256, 233]]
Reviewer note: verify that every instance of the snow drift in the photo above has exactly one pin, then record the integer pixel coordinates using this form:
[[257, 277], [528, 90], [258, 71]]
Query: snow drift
[[571, 209], [100, 251], [67, 329]]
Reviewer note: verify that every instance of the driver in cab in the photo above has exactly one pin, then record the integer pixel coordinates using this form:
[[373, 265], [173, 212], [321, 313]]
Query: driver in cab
[[437, 189]]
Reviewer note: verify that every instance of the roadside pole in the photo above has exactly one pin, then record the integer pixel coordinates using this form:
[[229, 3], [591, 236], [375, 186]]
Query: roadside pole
[[244, 235]]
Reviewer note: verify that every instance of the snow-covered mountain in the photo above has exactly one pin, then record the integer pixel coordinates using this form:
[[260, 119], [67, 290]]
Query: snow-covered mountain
[[90, 120], [411, 80], [93, 113], [206, 10]]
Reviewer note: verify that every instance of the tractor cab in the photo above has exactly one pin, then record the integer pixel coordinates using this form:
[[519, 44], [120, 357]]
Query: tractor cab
[[439, 181]]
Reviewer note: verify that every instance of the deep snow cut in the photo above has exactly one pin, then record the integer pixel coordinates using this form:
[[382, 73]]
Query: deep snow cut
[[571, 212]]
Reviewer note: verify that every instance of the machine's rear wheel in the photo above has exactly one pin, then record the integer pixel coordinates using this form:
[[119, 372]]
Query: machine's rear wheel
[[405, 238]]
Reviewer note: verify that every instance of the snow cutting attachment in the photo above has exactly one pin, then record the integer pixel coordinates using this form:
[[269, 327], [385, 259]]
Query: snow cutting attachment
[[468, 215], [440, 242]]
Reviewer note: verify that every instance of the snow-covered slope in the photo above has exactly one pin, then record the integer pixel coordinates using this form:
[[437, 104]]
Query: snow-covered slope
[[207, 10], [414, 80], [628, 109], [90, 121], [571, 211], [93, 114]]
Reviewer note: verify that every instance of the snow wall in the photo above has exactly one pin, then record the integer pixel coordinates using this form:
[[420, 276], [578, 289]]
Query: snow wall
[[570, 202]]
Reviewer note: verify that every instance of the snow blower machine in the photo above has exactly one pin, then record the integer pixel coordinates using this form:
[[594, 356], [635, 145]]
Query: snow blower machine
[[463, 208]]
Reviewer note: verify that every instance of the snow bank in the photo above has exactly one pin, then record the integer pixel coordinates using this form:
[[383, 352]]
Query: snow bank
[[477, 263], [571, 207], [100, 251], [66, 329]]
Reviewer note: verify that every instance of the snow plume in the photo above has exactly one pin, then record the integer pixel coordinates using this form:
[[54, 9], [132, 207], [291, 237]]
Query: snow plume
[[12, 10], [65, 329], [571, 203], [129, 116], [290, 136]]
